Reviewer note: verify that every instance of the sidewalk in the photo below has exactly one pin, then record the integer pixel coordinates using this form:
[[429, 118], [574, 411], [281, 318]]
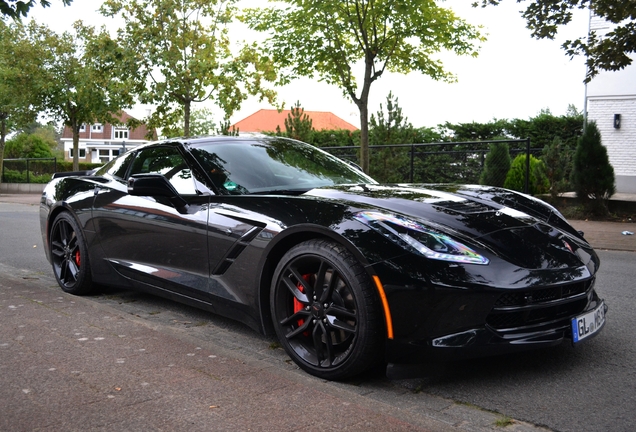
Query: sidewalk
[[601, 235], [76, 364]]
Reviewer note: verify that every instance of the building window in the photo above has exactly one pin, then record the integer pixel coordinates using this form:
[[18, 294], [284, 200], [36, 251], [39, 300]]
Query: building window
[[83, 127], [120, 133], [104, 156], [97, 127], [82, 153]]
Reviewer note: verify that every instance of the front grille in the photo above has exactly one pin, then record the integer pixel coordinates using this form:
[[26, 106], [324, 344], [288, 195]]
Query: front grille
[[541, 295], [532, 307]]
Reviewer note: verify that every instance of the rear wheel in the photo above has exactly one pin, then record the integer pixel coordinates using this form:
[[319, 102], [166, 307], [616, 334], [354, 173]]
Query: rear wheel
[[69, 255], [325, 311]]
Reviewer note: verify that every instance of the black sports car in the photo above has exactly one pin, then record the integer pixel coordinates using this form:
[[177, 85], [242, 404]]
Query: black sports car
[[347, 272]]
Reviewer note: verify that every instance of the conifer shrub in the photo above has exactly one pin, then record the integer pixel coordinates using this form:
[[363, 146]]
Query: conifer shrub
[[557, 158], [592, 174], [496, 165], [298, 125]]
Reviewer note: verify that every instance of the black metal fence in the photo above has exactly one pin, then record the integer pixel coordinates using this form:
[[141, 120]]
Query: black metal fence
[[31, 170], [449, 162]]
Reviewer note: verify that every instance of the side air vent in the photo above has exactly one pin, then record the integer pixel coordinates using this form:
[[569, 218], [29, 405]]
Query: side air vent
[[236, 250]]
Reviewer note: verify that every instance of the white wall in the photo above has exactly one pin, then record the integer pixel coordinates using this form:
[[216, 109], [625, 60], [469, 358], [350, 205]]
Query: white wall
[[612, 93]]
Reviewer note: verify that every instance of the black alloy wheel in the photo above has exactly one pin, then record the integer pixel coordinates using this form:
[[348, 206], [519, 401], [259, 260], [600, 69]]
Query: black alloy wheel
[[325, 311], [69, 255]]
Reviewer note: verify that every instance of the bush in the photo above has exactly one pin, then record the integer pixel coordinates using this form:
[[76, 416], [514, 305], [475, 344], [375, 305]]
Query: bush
[[496, 165], [592, 175], [13, 176], [516, 178], [67, 166], [27, 146]]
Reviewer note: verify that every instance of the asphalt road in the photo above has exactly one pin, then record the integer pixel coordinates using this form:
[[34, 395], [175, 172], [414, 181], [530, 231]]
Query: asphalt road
[[588, 388]]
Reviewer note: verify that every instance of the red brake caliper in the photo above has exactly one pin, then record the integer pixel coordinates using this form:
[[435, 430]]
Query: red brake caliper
[[77, 258], [298, 306]]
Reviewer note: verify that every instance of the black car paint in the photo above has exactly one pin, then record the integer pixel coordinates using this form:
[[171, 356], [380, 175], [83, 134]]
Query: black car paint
[[221, 253]]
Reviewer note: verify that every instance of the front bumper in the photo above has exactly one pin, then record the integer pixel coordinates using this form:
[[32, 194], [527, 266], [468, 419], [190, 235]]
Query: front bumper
[[482, 342], [435, 321]]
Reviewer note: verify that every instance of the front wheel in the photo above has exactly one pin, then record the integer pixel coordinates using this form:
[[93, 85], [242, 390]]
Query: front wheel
[[325, 310], [69, 255]]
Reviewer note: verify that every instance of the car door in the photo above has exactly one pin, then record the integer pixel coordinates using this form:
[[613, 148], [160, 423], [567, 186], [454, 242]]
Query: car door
[[146, 238]]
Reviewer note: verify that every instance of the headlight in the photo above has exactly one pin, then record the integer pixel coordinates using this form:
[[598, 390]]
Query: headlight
[[426, 241]]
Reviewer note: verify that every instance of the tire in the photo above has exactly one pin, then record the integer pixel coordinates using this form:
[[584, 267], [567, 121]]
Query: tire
[[325, 311], [69, 255]]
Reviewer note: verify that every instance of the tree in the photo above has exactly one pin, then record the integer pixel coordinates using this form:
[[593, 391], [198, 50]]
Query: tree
[[298, 125], [592, 174], [80, 87], [392, 128], [328, 38], [201, 123], [20, 79], [496, 165], [178, 53], [225, 128], [389, 164], [20, 8], [610, 51]]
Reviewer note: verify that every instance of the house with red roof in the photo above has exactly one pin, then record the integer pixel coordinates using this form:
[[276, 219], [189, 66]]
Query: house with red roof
[[266, 120], [100, 143]]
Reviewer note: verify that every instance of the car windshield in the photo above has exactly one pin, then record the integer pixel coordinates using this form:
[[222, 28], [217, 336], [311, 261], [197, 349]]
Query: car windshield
[[273, 165]]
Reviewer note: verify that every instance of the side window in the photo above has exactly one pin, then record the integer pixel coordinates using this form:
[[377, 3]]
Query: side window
[[168, 162], [117, 167], [121, 167]]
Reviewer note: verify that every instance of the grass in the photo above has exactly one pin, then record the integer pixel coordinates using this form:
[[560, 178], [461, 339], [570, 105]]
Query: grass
[[504, 421]]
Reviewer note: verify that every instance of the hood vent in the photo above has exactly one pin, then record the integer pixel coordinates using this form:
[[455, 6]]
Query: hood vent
[[464, 207]]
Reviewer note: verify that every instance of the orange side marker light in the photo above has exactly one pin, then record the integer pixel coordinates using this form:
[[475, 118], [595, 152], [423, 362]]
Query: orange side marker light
[[385, 305]]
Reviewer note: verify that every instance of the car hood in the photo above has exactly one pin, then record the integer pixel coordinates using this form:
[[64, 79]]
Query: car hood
[[512, 226]]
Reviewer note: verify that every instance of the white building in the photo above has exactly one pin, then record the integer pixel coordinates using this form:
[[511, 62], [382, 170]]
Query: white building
[[100, 143], [611, 103]]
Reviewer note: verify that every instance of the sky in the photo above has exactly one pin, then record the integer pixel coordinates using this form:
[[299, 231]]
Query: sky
[[514, 76]]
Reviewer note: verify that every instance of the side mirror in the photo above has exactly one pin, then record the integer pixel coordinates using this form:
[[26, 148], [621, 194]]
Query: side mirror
[[156, 185]]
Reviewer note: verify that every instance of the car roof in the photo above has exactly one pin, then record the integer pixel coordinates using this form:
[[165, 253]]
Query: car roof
[[220, 138], [208, 139]]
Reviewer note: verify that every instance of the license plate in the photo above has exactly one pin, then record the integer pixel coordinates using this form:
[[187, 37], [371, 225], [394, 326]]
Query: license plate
[[587, 324]]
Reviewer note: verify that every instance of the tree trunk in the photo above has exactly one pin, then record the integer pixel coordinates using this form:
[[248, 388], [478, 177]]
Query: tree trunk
[[3, 136], [75, 128], [363, 106], [186, 119], [364, 136]]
